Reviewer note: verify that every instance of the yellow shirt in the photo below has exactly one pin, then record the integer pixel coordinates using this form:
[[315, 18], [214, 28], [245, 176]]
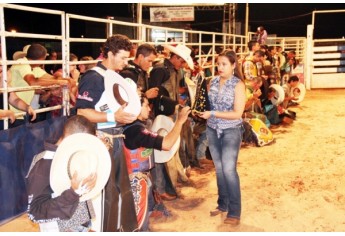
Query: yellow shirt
[[17, 80]]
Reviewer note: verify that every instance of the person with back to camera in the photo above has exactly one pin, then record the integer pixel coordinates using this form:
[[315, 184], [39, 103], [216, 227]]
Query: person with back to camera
[[224, 132], [64, 212], [24, 75]]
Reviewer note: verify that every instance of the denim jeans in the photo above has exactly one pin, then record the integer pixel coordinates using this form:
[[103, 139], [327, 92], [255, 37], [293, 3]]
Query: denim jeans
[[159, 178], [224, 152], [201, 146]]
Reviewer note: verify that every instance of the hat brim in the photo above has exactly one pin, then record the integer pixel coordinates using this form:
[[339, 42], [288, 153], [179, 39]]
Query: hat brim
[[19, 54], [127, 90], [59, 178], [301, 95], [279, 94], [188, 59], [164, 124]]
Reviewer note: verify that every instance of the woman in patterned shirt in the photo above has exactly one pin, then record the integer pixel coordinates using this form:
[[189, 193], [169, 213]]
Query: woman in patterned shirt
[[224, 133]]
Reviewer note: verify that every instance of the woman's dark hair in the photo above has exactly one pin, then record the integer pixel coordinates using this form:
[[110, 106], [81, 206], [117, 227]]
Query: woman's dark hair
[[232, 57]]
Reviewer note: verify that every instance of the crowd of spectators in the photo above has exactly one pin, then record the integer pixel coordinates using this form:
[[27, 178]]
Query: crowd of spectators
[[168, 82]]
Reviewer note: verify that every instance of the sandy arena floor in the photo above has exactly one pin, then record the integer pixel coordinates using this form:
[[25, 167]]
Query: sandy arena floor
[[294, 185]]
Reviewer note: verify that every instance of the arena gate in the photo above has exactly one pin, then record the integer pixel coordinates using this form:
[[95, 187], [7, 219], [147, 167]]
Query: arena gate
[[325, 58]]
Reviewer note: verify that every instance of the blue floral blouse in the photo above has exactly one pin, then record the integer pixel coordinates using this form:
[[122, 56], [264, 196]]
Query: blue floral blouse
[[222, 100]]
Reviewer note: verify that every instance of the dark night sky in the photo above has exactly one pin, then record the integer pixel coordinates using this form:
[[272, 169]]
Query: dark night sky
[[283, 19], [291, 19]]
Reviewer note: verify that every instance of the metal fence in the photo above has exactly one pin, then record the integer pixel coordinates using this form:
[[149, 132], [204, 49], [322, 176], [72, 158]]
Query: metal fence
[[208, 43], [325, 58]]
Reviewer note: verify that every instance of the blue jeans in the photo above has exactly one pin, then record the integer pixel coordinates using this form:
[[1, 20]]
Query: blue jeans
[[201, 146], [224, 152], [160, 180]]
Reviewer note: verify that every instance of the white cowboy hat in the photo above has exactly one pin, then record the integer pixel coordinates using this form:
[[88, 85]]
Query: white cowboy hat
[[182, 51], [163, 125], [119, 90], [301, 93], [21, 54], [279, 94], [84, 153]]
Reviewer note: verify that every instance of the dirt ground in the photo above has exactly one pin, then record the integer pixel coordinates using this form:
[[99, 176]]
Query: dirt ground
[[293, 185]]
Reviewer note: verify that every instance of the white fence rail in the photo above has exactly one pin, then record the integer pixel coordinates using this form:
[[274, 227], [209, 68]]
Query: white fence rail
[[328, 64], [326, 58], [209, 43], [5, 62]]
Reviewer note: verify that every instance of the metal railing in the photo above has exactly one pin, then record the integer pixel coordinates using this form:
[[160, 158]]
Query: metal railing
[[208, 43], [5, 63]]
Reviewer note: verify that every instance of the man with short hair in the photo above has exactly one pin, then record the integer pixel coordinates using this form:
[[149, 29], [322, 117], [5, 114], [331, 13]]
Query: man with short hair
[[137, 69], [253, 46], [93, 103]]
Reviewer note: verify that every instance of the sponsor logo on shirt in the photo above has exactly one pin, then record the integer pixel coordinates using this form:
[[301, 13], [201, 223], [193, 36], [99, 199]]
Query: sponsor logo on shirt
[[85, 96], [104, 107], [146, 131]]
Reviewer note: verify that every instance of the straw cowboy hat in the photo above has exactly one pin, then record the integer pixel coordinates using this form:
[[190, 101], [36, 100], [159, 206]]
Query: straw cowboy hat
[[21, 54], [163, 125], [279, 94], [84, 153], [182, 51], [298, 92], [119, 91]]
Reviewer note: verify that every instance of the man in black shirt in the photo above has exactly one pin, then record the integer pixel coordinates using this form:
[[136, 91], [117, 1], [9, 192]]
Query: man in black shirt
[[137, 69]]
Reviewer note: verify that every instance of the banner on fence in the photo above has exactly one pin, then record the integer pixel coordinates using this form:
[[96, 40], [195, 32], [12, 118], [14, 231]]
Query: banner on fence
[[166, 14]]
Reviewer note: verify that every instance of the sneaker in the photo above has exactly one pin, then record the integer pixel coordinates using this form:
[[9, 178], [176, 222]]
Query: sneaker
[[232, 221]]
